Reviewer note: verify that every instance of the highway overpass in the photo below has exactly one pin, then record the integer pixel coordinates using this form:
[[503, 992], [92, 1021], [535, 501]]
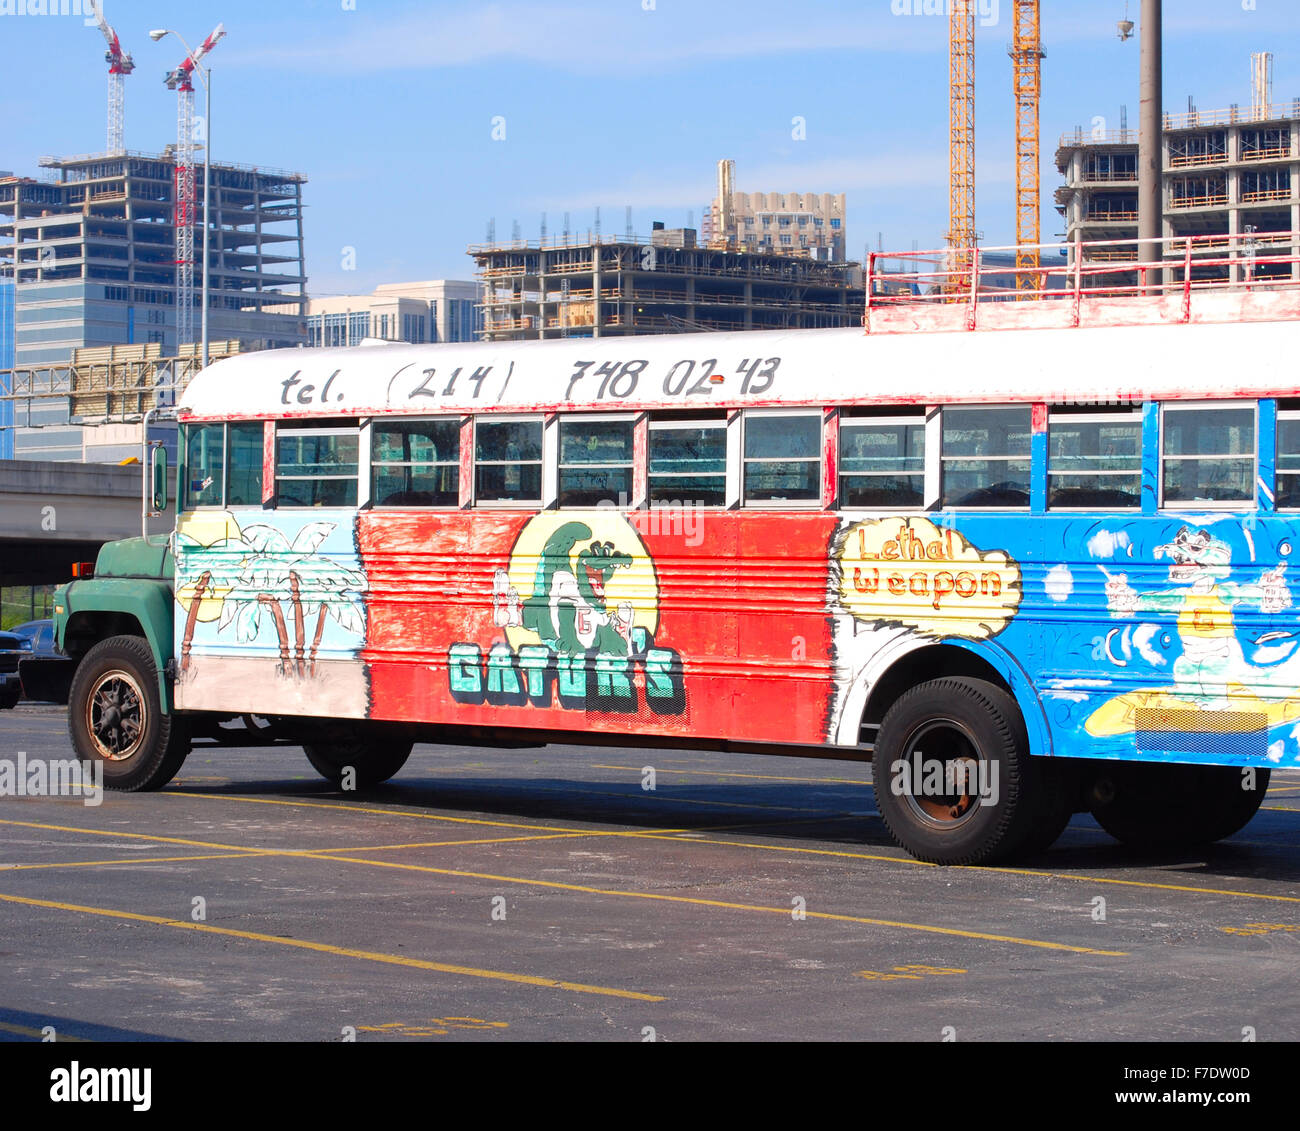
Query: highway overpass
[[53, 514]]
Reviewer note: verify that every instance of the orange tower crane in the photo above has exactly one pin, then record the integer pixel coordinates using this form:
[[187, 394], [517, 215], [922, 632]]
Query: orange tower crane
[[1027, 57], [961, 137]]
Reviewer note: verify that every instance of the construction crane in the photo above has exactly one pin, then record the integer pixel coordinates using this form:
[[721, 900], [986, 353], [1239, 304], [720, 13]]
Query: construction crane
[[120, 65], [961, 139], [1027, 57], [181, 81]]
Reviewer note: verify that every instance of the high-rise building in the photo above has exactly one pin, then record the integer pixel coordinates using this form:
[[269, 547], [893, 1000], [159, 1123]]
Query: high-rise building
[[438, 310], [776, 223], [92, 250], [1226, 173]]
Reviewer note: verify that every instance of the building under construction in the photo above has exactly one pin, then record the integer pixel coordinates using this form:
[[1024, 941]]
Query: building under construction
[[1226, 173], [670, 284], [92, 249]]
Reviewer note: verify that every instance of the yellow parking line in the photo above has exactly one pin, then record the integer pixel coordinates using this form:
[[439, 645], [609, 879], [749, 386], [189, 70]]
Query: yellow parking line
[[1134, 883], [143, 860], [453, 843], [313, 854], [654, 795], [238, 848], [700, 902], [340, 951], [784, 848], [25, 1031], [367, 809], [731, 774]]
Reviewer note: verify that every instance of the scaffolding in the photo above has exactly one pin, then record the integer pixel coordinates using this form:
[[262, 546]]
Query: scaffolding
[[110, 384], [607, 286]]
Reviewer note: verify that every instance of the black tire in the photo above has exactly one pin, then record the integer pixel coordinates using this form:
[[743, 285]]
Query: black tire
[[115, 718], [1056, 805], [1178, 806], [972, 721], [373, 752]]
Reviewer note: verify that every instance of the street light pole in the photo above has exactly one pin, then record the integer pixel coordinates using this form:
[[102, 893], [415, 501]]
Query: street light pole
[[1150, 140], [207, 193], [205, 74]]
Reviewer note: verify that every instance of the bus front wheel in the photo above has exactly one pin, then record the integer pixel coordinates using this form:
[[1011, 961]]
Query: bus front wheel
[[115, 717], [1150, 806], [358, 756], [953, 777]]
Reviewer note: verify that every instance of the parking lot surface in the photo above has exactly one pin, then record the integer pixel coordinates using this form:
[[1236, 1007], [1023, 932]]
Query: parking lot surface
[[546, 893]]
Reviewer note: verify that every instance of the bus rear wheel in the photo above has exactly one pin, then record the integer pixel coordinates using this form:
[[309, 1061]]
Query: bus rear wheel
[[1178, 806], [953, 777], [359, 755], [115, 717]]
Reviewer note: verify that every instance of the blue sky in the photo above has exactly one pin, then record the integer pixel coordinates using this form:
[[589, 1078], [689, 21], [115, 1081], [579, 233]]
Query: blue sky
[[388, 107]]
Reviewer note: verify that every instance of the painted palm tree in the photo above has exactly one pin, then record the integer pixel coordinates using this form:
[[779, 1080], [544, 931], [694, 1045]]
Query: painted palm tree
[[212, 560], [314, 585]]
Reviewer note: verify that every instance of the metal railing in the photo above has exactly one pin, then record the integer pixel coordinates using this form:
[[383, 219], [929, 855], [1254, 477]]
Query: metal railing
[[963, 279]]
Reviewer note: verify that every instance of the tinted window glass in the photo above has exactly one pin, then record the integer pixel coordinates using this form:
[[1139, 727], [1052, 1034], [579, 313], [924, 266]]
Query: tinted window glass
[[596, 462], [1208, 455], [688, 464], [508, 461], [1094, 462], [415, 463], [985, 457], [882, 464], [782, 458], [205, 465]]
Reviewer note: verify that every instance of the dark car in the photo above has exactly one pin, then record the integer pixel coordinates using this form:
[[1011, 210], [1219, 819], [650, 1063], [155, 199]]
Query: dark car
[[32, 640]]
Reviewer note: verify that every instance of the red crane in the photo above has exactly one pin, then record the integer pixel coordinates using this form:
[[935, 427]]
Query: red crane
[[181, 81]]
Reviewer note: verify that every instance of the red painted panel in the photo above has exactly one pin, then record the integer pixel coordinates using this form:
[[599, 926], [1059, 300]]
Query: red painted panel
[[715, 625], [268, 461]]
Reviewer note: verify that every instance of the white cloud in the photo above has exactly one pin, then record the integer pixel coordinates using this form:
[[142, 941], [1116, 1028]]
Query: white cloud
[[586, 39]]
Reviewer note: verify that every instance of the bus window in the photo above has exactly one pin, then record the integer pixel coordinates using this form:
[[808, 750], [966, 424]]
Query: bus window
[[985, 457], [316, 467], [782, 457], [882, 461], [415, 463], [1208, 454], [244, 463], [508, 461], [596, 460], [688, 462], [1288, 459], [205, 466], [1094, 459]]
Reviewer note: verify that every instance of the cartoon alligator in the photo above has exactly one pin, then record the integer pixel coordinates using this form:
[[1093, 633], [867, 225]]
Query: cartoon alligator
[[567, 608], [1212, 667]]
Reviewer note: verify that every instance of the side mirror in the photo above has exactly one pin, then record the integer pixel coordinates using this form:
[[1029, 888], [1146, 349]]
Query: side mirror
[[158, 474]]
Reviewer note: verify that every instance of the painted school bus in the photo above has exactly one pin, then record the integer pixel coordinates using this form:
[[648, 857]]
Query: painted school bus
[[1027, 571]]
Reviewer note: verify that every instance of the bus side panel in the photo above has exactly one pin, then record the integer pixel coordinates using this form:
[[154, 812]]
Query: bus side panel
[[1169, 637], [661, 622], [270, 613]]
